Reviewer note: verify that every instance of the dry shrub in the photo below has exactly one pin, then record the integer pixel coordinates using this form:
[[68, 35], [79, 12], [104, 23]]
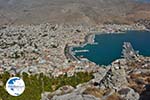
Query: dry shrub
[[94, 91], [114, 96]]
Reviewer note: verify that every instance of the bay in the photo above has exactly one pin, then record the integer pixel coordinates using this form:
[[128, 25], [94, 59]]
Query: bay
[[109, 47]]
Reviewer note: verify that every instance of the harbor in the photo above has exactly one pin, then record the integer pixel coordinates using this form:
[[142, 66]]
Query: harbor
[[111, 44]]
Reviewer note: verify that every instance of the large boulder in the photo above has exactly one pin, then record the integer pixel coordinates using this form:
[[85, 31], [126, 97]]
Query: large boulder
[[115, 78], [128, 94]]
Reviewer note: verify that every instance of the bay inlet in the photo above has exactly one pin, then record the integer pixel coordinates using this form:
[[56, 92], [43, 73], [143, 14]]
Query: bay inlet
[[109, 46]]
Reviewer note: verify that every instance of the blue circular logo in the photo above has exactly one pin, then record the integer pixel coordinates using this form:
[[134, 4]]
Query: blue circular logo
[[15, 86]]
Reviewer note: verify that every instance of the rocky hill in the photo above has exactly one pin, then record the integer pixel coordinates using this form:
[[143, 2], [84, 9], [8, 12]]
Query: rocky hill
[[71, 11]]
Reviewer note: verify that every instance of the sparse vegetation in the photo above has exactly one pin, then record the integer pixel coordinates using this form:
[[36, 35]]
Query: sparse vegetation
[[36, 84]]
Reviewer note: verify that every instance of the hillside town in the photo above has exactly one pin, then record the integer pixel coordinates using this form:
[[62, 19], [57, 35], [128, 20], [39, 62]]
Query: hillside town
[[59, 50], [41, 48]]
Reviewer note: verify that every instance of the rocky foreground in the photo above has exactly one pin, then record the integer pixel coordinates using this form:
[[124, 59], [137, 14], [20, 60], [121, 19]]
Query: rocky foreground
[[125, 79]]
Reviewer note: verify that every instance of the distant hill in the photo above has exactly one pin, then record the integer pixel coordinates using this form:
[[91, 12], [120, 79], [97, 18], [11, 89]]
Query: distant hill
[[70, 11]]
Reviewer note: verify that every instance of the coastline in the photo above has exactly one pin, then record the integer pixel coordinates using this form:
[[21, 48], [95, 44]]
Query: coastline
[[53, 50], [90, 39], [70, 54]]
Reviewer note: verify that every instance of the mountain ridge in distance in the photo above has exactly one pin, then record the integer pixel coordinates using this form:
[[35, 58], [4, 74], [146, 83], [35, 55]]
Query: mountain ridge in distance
[[71, 11]]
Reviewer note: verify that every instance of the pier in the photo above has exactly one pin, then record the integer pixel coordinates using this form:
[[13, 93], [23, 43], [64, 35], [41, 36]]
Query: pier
[[128, 52], [77, 51]]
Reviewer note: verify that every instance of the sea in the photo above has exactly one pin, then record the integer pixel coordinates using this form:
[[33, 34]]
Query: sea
[[145, 1], [109, 46]]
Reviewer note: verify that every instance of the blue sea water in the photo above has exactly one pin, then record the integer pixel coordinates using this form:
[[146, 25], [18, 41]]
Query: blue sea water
[[145, 1], [109, 46]]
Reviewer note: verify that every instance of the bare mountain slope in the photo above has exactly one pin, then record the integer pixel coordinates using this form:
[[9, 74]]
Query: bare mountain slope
[[65, 11]]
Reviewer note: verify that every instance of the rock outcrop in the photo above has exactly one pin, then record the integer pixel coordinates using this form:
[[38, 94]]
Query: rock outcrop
[[74, 96], [128, 94]]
